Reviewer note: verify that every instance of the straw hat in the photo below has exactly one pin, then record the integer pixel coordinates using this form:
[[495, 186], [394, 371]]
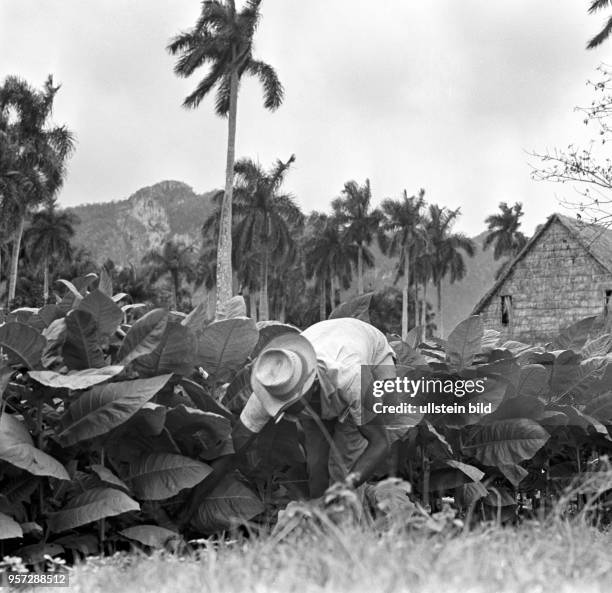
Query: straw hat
[[284, 370]]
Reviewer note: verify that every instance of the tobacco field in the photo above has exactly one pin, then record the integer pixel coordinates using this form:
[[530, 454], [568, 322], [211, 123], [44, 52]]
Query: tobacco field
[[111, 415]]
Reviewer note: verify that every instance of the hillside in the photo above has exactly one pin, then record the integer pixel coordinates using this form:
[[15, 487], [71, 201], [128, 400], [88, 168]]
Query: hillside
[[125, 230]]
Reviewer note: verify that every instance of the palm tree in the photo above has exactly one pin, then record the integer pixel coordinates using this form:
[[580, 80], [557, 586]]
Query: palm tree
[[400, 231], [360, 222], [37, 151], [267, 218], [206, 274], [135, 283], [81, 263], [444, 254], [422, 274], [504, 233], [327, 257], [223, 38], [48, 238], [245, 265], [597, 5], [174, 259]]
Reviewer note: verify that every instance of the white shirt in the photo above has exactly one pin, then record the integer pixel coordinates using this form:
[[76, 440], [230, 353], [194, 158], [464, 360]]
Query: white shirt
[[342, 346]]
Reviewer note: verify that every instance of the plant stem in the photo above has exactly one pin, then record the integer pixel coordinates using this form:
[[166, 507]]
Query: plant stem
[[101, 523]]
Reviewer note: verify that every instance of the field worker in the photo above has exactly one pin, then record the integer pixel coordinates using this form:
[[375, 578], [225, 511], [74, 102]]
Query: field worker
[[320, 371], [322, 367]]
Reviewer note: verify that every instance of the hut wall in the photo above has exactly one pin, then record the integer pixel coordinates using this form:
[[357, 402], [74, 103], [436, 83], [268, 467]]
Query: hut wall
[[556, 283]]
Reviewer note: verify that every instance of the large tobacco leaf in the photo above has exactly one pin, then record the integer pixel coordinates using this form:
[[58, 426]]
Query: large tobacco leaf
[[106, 313], [55, 334], [91, 505], [533, 380], [144, 336], [158, 476], [22, 343], [76, 380], [358, 307], [575, 336], [17, 448], [82, 345], [200, 433], [228, 505], [104, 407], [505, 442], [173, 354], [465, 342], [224, 346]]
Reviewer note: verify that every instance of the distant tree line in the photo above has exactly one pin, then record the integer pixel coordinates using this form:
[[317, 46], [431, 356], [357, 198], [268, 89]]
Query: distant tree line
[[288, 265]]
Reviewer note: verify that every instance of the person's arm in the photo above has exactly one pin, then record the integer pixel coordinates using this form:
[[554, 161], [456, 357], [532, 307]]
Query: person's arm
[[373, 455]]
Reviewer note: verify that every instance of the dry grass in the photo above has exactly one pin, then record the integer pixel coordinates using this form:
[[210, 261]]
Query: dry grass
[[557, 556]]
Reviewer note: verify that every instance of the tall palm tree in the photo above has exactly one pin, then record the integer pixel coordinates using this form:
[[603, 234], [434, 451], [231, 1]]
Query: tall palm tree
[[206, 274], [48, 239], [245, 265], [37, 151], [223, 38], [266, 218], [360, 222], [423, 274], [504, 233], [445, 255], [327, 257], [174, 259], [595, 6], [400, 231]]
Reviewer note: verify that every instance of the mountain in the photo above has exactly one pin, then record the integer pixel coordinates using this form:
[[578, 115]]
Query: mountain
[[125, 230]]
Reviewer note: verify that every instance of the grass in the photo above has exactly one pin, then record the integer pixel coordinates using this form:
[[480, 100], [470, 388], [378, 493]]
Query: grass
[[533, 558]]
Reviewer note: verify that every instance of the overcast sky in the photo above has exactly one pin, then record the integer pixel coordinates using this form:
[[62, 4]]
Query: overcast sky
[[441, 94]]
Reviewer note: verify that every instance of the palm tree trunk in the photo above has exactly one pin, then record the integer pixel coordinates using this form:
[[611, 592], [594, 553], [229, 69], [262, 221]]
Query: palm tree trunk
[[360, 269], [424, 309], [45, 280], [416, 292], [224, 249], [253, 304], [175, 289], [405, 296], [322, 308], [439, 316], [263, 295], [210, 305], [332, 292], [15, 261]]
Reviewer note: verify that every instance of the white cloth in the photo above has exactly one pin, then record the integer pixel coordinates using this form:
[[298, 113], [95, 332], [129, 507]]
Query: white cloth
[[342, 346]]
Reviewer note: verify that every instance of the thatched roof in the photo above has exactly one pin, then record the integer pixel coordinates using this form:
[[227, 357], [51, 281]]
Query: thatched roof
[[595, 239]]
